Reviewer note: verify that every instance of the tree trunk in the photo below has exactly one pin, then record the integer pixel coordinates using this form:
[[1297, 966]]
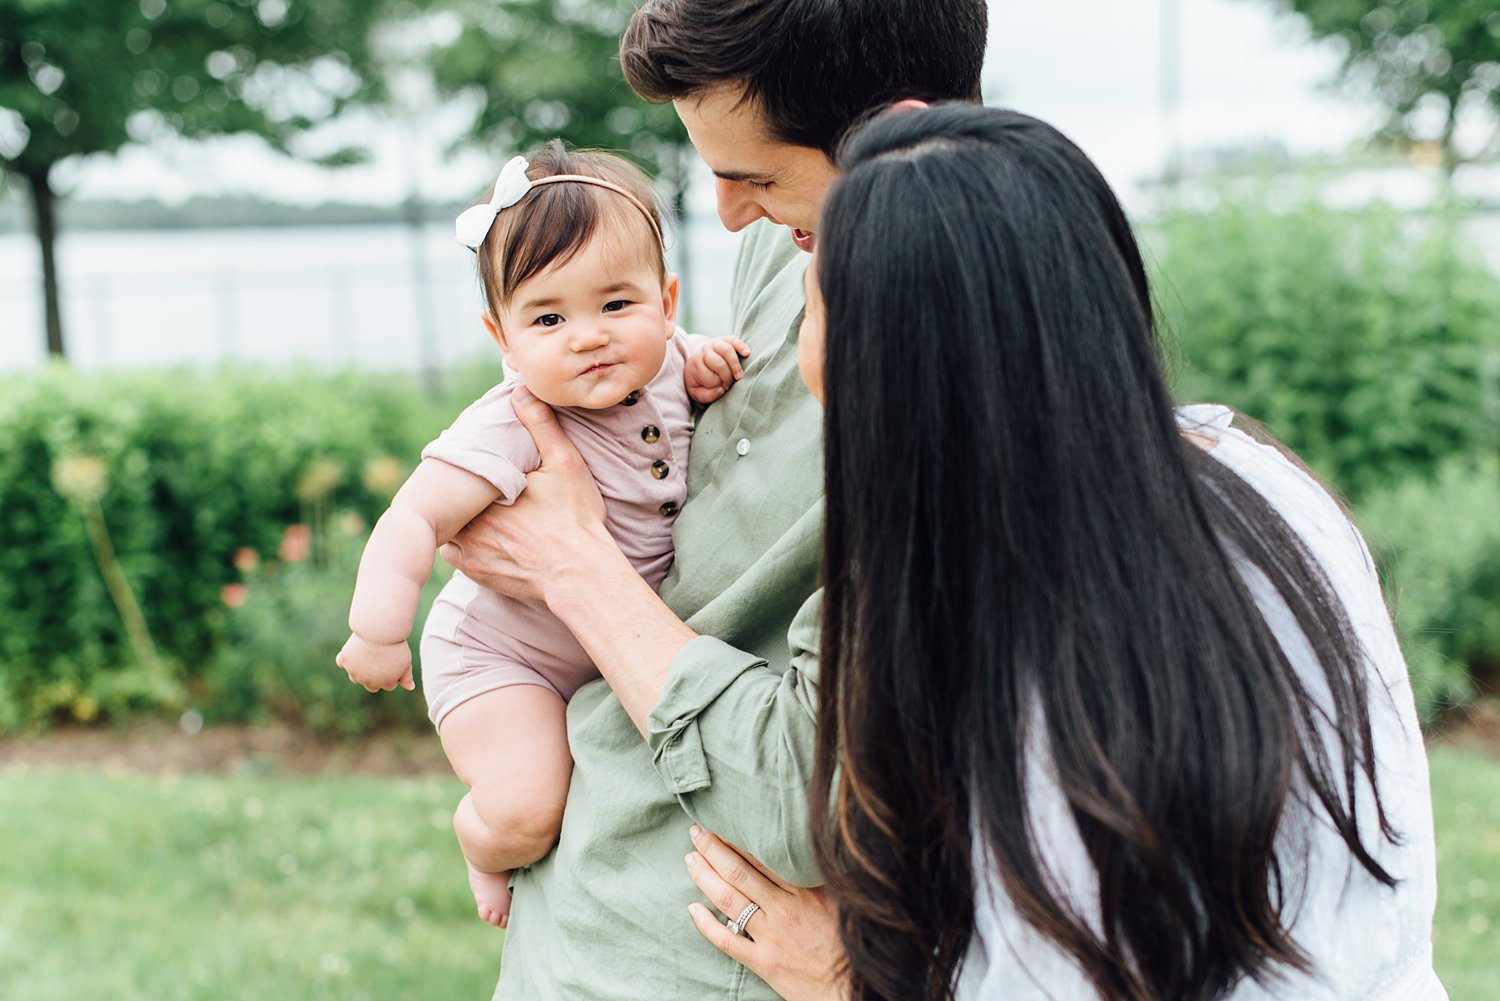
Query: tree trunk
[[684, 244], [43, 204], [1446, 151], [1450, 155]]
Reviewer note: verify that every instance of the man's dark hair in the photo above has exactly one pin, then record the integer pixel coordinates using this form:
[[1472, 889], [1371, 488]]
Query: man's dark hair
[[813, 67]]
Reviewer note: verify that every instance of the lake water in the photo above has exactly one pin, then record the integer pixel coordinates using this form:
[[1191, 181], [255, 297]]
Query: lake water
[[373, 297], [369, 297]]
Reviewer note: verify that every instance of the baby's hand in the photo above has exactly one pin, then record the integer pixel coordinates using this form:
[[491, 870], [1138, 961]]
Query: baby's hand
[[380, 667], [714, 366]]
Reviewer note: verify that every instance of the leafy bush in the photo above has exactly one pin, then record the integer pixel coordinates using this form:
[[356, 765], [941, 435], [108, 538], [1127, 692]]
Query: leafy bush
[[1369, 343], [284, 624], [1438, 543], [191, 469], [1366, 341]]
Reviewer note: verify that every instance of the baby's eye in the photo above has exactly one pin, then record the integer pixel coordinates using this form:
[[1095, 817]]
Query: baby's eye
[[615, 305], [548, 320]]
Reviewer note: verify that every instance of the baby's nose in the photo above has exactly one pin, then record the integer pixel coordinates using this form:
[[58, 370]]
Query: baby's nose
[[589, 335]]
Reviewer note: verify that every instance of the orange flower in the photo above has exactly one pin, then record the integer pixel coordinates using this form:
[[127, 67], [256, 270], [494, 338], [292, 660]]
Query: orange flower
[[233, 595], [246, 559], [296, 544]]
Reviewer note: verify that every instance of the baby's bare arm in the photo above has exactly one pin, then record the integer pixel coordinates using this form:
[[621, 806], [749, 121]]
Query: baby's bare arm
[[434, 503]]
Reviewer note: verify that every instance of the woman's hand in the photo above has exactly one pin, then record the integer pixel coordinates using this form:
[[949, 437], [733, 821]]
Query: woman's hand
[[791, 940], [555, 527]]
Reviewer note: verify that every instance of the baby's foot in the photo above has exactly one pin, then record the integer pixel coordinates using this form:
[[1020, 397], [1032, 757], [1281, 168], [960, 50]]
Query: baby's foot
[[491, 895]]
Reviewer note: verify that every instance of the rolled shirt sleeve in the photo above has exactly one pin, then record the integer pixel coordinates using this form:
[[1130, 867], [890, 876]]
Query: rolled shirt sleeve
[[733, 740]]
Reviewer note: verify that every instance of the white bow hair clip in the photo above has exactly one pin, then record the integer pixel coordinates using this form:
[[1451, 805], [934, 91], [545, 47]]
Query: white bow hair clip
[[473, 223]]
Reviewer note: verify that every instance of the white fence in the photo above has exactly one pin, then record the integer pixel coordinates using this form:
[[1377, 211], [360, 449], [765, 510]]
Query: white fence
[[373, 297]]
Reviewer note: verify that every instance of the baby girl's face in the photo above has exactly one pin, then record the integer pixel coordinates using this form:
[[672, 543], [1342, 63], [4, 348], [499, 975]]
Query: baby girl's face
[[589, 332]]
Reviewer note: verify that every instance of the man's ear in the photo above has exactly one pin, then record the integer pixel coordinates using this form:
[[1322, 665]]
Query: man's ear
[[670, 286], [909, 104], [496, 333]]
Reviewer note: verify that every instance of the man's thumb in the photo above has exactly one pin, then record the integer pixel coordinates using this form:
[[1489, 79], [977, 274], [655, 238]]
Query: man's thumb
[[540, 421]]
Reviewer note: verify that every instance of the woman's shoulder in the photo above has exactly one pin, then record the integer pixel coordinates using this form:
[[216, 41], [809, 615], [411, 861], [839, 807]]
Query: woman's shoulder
[[1313, 512], [1307, 505]]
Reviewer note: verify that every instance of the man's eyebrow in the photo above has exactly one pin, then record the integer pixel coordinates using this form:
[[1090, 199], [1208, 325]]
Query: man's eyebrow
[[744, 175]]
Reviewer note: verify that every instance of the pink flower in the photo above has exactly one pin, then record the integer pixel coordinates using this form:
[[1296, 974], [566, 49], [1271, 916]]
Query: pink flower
[[246, 559], [233, 595], [296, 544]]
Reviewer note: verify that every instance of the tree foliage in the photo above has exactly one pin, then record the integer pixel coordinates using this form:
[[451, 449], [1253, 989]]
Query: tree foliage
[[80, 77], [1441, 56], [545, 68]]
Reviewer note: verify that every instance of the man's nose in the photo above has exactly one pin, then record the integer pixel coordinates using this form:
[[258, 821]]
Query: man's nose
[[737, 207]]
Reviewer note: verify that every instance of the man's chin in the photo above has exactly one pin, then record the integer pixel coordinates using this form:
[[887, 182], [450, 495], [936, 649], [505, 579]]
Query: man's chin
[[804, 240]]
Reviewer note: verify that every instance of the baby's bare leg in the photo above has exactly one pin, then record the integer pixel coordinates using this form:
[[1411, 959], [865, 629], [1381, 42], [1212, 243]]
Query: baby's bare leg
[[510, 747]]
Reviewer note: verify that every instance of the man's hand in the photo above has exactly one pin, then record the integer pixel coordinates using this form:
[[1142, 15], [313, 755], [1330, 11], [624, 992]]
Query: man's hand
[[714, 366], [380, 667], [554, 528]]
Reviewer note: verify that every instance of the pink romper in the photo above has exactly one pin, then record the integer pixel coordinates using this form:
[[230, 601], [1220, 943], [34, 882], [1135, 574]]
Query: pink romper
[[477, 640]]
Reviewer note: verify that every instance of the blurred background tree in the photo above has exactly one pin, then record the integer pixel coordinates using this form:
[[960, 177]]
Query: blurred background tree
[[1430, 62], [80, 77], [538, 69]]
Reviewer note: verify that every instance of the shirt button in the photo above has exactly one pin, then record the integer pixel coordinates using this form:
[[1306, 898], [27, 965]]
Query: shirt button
[[650, 433], [632, 399], [668, 509], [742, 446], [660, 469]]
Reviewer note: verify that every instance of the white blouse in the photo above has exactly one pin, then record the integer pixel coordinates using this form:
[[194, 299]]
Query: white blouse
[[1365, 941]]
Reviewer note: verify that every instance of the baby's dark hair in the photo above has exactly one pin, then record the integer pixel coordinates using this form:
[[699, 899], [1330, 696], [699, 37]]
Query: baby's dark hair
[[553, 222]]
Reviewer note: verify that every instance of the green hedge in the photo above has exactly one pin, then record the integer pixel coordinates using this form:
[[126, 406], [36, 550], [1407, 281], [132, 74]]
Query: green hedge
[[1438, 545], [1368, 341], [190, 469], [282, 626]]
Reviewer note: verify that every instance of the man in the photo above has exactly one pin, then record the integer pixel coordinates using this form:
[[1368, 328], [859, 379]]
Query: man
[[706, 711]]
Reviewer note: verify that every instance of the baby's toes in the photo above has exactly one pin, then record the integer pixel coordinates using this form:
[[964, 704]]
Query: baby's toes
[[491, 895]]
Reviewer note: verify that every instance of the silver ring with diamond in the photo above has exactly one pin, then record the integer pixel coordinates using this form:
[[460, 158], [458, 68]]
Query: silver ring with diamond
[[737, 927]]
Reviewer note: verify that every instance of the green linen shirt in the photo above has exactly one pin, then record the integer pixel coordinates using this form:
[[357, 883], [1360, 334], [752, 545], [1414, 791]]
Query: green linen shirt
[[730, 744]]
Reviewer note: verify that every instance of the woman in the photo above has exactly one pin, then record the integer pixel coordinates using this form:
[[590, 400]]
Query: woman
[[1111, 706]]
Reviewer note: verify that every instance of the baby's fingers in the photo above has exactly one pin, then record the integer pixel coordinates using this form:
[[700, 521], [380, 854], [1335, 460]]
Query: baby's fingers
[[716, 363], [727, 351]]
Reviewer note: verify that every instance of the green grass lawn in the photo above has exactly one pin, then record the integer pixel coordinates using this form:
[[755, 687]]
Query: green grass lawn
[[214, 887], [1466, 931]]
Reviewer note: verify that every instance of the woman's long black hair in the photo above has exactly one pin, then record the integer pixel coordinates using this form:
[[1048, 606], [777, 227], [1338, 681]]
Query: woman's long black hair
[[1022, 551]]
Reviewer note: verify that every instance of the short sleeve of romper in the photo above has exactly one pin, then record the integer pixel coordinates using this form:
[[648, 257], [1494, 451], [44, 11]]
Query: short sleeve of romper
[[489, 440]]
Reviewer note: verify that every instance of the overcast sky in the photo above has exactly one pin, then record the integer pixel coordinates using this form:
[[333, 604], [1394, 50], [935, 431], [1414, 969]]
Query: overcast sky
[[1094, 68]]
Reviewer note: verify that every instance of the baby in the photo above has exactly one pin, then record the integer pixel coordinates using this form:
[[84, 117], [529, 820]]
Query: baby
[[583, 309]]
